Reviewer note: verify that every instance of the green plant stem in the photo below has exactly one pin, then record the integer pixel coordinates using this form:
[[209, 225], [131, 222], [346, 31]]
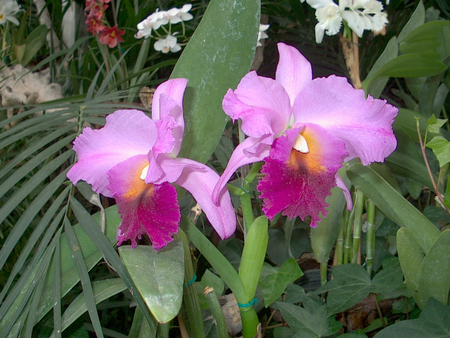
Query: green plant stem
[[323, 273], [227, 272], [348, 235], [288, 228], [341, 238], [358, 225], [217, 312], [163, 330], [246, 200], [370, 236], [190, 296]]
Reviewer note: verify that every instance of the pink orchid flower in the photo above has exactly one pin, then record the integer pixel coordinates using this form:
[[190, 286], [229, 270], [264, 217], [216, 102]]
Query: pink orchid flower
[[133, 159], [304, 130]]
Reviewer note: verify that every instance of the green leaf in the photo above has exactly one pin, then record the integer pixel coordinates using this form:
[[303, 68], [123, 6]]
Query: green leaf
[[434, 272], [393, 205], [408, 65], [317, 324], [388, 283], [350, 285], [158, 276], [447, 195], [434, 322], [212, 280], [434, 124], [33, 43], [323, 237], [441, 148], [273, 282], [410, 255], [416, 20], [217, 56], [426, 32], [103, 290]]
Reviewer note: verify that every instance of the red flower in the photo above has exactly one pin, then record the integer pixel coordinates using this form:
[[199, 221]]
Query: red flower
[[95, 25], [111, 36]]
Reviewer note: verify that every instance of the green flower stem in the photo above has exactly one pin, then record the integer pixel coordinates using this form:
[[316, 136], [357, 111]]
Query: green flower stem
[[246, 200], [226, 271], [216, 310], [323, 273], [190, 295], [348, 236], [370, 236], [163, 330], [358, 225], [340, 238]]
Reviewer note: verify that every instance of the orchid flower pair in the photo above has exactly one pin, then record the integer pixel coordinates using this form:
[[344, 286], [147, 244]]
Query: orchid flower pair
[[304, 129], [133, 159]]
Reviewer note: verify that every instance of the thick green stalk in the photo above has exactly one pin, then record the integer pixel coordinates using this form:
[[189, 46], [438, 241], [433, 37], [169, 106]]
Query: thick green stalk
[[216, 311], [348, 235], [341, 238], [323, 273], [163, 330], [190, 296], [226, 271], [358, 225], [370, 236]]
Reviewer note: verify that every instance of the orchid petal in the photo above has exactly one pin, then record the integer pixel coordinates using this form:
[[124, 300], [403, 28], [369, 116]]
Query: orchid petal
[[297, 183], [250, 151], [200, 183], [261, 103], [293, 71], [144, 208], [172, 168], [167, 103], [126, 133], [348, 197], [365, 125]]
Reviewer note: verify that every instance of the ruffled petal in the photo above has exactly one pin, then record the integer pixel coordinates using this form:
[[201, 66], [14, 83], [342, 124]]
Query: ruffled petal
[[297, 183], [126, 133], [261, 103], [144, 208], [293, 71], [200, 184], [168, 102], [250, 151], [365, 125]]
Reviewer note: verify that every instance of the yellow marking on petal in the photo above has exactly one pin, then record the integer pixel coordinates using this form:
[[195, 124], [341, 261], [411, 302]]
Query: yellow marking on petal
[[136, 186], [306, 154]]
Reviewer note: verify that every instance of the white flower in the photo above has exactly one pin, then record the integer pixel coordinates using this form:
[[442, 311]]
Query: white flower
[[176, 15], [329, 19], [169, 43], [153, 21], [9, 8], [262, 33], [363, 15]]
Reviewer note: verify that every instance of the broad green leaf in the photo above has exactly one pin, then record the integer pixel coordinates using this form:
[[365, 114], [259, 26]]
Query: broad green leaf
[[103, 290], [158, 276], [295, 294], [33, 43], [217, 56], [447, 195], [214, 281], [324, 236], [416, 20], [253, 255], [426, 32], [441, 148], [408, 65], [411, 255], [350, 285], [317, 324], [393, 205], [388, 283], [390, 52], [274, 282], [434, 280], [278, 252], [434, 322]]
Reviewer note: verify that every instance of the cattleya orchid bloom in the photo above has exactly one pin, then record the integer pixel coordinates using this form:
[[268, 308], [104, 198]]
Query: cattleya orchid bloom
[[133, 159], [304, 130]]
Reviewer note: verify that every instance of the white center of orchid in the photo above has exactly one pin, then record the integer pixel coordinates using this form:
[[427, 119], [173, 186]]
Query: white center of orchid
[[301, 145], [144, 173]]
